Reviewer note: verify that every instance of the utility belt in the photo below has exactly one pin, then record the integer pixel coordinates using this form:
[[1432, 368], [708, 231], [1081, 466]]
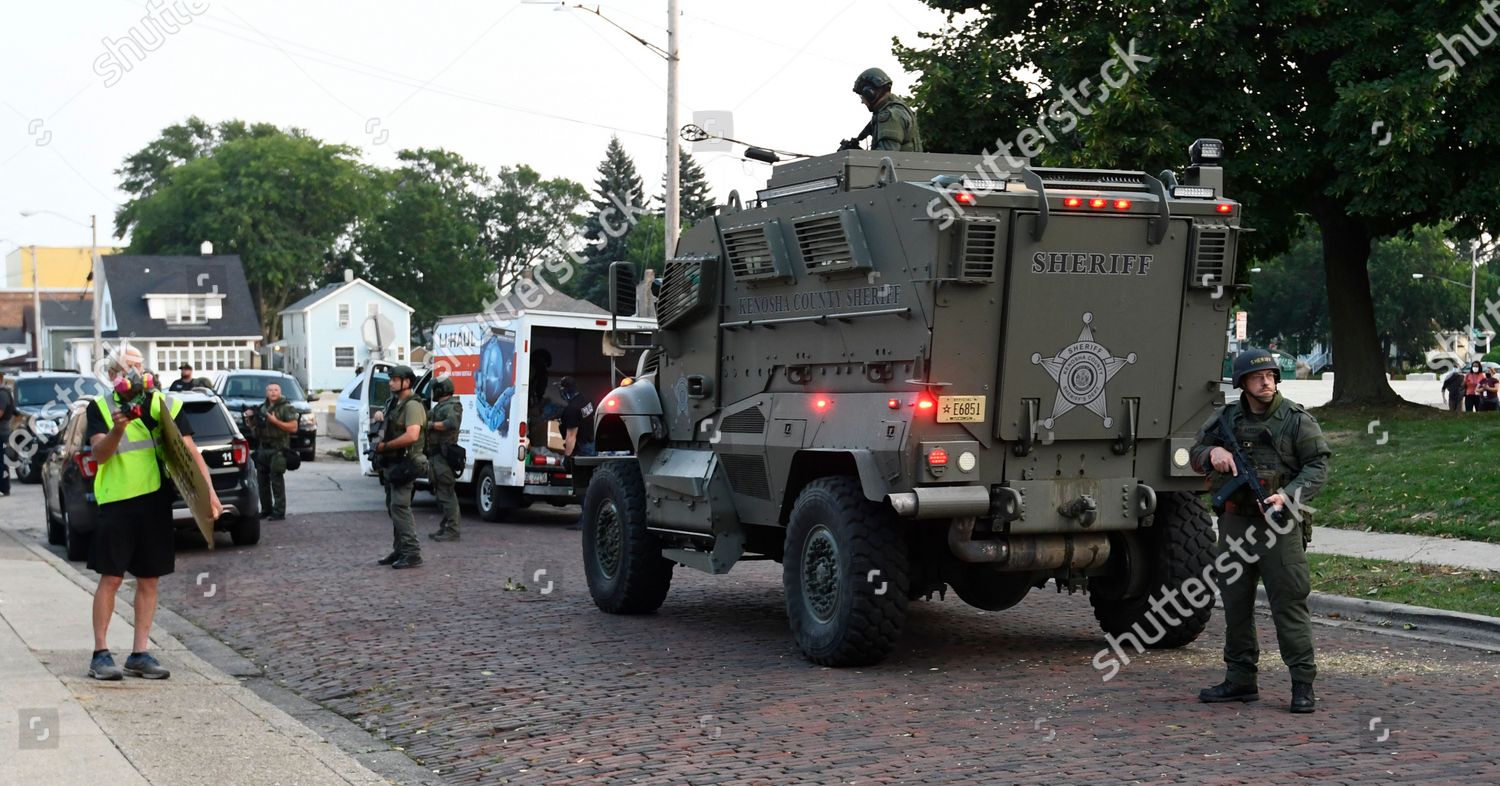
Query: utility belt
[[452, 453]]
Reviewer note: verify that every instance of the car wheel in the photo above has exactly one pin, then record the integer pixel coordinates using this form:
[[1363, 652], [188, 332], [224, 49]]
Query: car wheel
[[245, 531], [845, 573], [75, 543], [57, 530]]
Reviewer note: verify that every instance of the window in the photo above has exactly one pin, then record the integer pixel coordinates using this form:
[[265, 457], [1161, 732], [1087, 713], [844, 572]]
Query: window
[[400, 353], [343, 357], [184, 309], [343, 315]]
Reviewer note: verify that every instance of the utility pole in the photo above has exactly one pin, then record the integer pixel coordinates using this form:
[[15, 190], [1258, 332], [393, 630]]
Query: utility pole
[[36, 305], [98, 277], [674, 175]]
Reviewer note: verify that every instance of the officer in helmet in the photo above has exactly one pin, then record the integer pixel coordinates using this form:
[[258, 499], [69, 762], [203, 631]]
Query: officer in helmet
[[893, 125], [445, 459], [402, 462], [1291, 463]]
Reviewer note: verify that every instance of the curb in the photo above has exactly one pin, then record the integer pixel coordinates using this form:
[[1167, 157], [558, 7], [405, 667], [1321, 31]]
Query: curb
[[376, 755], [1437, 626]]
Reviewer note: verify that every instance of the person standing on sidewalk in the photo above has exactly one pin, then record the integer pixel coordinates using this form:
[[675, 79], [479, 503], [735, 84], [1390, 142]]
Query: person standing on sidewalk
[[442, 439], [1291, 464], [133, 525], [275, 423], [402, 463], [7, 413]]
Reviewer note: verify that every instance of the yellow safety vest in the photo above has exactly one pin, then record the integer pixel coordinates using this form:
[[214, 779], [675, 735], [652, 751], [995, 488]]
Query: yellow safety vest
[[133, 470]]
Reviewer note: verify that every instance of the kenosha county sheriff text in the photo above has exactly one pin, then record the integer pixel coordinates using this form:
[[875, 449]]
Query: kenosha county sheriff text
[[821, 300]]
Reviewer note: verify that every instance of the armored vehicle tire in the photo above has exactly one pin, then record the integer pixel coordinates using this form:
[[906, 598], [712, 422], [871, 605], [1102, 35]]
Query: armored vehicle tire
[[1179, 546], [991, 590], [845, 573], [626, 572]]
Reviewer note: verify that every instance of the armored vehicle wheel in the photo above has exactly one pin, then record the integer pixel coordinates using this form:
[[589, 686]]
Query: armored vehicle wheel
[[1179, 546], [991, 590], [626, 572], [845, 573]]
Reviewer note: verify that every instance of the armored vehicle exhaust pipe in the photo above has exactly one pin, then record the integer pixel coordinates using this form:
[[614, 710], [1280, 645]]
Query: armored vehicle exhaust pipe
[[1029, 552]]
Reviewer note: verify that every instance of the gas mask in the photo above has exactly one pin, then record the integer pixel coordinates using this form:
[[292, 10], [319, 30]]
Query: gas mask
[[131, 388]]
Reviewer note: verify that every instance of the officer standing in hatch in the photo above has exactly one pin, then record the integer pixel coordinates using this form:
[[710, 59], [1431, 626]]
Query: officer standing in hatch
[[441, 440], [893, 125], [1291, 464]]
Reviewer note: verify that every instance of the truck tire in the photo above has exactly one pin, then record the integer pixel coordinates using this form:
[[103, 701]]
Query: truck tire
[[626, 572], [486, 498], [245, 531], [845, 574], [1179, 546]]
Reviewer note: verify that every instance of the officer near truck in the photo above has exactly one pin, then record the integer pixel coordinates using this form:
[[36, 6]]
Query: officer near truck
[[443, 460], [401, 463], [1291, 463], [274, 422], [893, 124]]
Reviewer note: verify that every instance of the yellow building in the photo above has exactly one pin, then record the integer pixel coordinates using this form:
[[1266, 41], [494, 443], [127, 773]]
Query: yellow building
[[64, 268]]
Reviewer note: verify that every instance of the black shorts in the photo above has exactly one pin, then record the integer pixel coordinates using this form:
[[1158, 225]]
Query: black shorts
[[135, 535]]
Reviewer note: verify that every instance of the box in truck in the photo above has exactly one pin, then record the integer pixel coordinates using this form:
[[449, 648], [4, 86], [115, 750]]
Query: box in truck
[[495, 364]]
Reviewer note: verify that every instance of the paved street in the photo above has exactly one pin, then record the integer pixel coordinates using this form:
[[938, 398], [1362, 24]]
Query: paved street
[[488, 685]]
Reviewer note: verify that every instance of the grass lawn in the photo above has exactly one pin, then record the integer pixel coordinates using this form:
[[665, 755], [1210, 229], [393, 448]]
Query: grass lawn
[[1436, 473], [1454, 589]]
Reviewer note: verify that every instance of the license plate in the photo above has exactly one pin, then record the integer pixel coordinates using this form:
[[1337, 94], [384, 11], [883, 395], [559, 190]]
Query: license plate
[[536, 478], [960, 409]]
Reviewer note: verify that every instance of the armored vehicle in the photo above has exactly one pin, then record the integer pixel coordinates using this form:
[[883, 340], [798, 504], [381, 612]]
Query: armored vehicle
[[897, 373]]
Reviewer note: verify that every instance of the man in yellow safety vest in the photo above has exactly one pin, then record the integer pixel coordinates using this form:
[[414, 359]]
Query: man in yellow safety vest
[[133, 526]]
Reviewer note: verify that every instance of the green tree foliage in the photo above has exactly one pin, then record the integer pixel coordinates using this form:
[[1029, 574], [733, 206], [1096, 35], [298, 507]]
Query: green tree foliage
[[281, 200], [1289, 302], [423, 241], [530, 221], [618, 203], [1293, 88]]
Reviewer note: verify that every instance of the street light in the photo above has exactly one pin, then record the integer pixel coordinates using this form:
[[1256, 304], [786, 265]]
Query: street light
[[94, 274]]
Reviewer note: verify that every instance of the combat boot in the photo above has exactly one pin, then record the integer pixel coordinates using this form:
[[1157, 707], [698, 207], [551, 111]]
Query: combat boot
[[407, 561], [1228, 691], [389, 559], [1303, 700], [445, 536]]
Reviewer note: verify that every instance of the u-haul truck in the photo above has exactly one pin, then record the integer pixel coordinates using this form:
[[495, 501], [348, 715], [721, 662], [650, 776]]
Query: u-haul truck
[[490, 360]]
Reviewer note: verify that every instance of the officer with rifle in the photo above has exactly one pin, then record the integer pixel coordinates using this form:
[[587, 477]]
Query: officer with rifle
[[445, 457], [274, 421], [399, 456], [893, 125], [1265, 456]]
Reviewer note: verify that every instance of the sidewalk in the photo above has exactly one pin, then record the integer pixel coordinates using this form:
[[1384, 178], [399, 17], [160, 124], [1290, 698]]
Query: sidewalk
[[59, 727], [1469, 554]]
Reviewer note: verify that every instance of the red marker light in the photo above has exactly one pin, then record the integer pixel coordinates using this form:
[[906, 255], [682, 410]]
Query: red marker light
[[937, 458], [610, 403], [1224, 207], [820, 404], [1073, 202], [86, 465], [893, 404], [241, 451], [1122, 204], [925, 404], [1096, 202], [521, 430], [964, 198]]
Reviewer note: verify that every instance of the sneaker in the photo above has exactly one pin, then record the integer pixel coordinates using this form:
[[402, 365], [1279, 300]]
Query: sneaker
[[1228, 691], [411, 561], [143, 665], [389, 559], [103, 667]]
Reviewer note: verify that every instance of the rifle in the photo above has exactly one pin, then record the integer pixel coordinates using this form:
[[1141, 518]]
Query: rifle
[[852, 143], [1244, 471]]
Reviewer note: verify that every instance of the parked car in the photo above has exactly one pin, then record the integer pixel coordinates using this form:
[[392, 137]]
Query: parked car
[[345, 422], [42, 400], [246, 388], [68, 477]]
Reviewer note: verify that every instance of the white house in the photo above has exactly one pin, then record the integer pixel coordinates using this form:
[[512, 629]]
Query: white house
[[325, 336]]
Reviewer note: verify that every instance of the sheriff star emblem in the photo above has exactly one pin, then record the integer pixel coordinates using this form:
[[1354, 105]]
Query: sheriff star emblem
[[1081, 371]]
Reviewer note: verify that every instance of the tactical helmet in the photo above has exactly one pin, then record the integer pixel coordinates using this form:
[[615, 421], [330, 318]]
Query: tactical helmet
[[1253, 360], [403, 372], [442, 388], [870, 80]]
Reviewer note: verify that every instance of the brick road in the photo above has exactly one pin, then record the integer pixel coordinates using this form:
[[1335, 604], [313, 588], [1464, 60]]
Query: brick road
[[487, 685]]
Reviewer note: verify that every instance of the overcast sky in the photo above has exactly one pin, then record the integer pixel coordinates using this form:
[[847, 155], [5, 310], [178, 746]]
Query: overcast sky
[[501, 83]]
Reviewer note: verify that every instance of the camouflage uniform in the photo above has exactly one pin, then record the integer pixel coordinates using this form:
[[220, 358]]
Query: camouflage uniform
[[270, 455], [1291, 456], [894, 127], [450, 413], [399, 414]]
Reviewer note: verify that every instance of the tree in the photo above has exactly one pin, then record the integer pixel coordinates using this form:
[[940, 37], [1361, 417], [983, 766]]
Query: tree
[[619, 202], [1289, 302], [694, 198], [423, 243], [1295, 89], [529, 221], [1411, 312], [283, 201]]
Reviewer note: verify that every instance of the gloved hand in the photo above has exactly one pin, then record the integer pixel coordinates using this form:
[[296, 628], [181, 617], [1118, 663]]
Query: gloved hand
[[848, 144]]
